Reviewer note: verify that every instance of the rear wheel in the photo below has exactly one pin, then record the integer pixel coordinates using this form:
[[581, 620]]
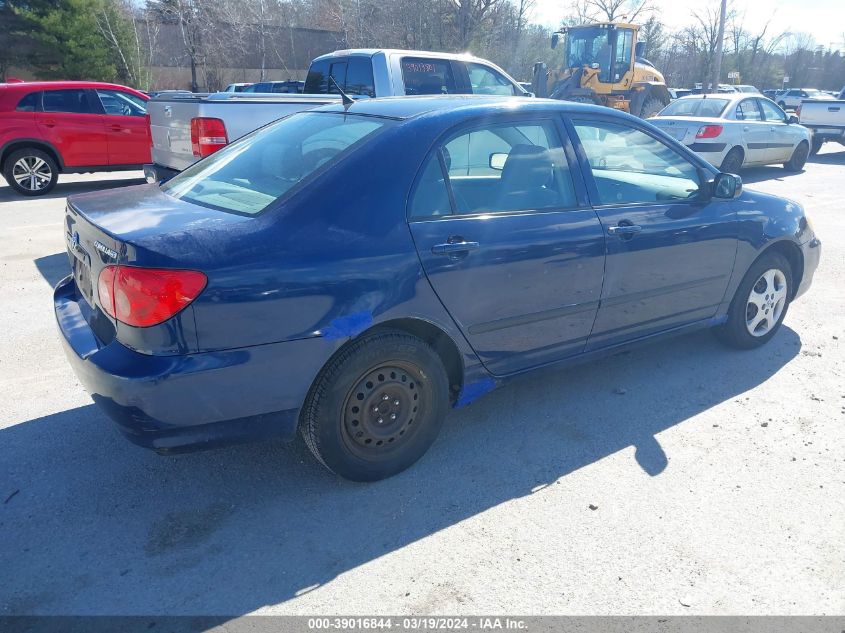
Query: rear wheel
[[376, 407], [760, 303], [799, 157], [817, 145], [732, 162], [30, 171]]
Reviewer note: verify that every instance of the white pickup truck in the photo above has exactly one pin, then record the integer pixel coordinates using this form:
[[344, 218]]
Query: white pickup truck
[[825, 119], [187, 127]]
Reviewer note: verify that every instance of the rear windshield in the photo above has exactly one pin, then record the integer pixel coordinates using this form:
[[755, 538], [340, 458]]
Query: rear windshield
[[708, 107], [253, 172], [428, 76]]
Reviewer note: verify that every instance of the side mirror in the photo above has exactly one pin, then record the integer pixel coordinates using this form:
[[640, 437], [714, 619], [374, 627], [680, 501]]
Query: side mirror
[[639, 49], [497, 161], [792, 119], [727, 186], [555, 39]]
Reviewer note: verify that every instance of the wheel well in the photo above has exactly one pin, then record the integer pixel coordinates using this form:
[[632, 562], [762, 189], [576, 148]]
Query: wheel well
[[795, 258], [442, 343], [16, 145]]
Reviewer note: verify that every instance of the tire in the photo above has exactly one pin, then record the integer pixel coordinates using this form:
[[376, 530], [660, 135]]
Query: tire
[[755, 295], [816, 147], [732, 162], [799, 157], [651, 106], [387, 376], [31, 171]]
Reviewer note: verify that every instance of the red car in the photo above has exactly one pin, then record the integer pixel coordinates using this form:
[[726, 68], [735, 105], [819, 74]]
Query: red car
[[53, 127]]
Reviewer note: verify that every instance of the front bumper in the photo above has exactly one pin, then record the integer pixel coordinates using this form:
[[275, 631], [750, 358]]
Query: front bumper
[[156, 174], [812, 251], [190, 401]]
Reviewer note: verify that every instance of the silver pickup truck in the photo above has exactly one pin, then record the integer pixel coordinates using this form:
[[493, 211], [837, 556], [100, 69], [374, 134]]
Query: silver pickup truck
[[187, 127], [825, 119]]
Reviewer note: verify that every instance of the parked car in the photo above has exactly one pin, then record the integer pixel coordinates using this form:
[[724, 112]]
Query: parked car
[[771, 94], [736, 131], [677, 93], [169, 92], [792, 98], [238, 87], [826, 120], [277, 87], [746, 88], [53, 127], [186, 129], [278, 287]]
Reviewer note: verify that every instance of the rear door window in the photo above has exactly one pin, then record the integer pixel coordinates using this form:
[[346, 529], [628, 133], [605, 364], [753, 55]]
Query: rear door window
[[73, 101], [747, 110], [508, 167], [428, 76], [29, 103], [359, 77]]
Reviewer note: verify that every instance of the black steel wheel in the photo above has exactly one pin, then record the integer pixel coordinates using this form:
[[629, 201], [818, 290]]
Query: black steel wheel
[[376, 407]]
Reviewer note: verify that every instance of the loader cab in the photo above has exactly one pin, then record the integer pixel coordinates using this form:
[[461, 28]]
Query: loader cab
[[606, 48]]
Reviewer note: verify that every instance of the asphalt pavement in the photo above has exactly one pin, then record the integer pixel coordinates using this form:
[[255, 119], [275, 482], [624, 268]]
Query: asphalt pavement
[[679, 478]]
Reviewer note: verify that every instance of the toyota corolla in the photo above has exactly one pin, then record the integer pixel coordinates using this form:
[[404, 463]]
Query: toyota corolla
[[350, 273]]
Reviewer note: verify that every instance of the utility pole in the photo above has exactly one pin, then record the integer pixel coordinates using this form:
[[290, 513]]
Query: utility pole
[[720, 40]]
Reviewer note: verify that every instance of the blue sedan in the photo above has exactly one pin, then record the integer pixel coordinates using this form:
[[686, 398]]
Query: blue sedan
[[351, 272]]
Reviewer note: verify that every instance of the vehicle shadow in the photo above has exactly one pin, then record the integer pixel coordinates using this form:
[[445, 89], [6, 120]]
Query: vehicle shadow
[[53, 267], [750, 175], [94, 525], [828, 158], [65, 189]]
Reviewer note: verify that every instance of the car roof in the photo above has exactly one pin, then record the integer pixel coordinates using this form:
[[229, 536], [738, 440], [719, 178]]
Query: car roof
[[461, 105], [369, 52], [31, 86]]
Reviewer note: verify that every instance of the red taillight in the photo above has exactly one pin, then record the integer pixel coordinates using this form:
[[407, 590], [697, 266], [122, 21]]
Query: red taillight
[[207, 135], [798, 111], [142, 297], [709, 131]]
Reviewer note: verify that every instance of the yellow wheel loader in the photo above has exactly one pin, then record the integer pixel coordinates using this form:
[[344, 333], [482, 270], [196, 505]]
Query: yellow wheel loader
[[603, 64]]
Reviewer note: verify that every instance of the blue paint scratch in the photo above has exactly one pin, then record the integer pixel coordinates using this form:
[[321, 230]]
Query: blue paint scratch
[[347, 326], [475, 390]]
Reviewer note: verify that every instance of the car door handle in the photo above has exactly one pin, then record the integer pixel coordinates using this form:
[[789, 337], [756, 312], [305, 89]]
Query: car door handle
[[624, 230], [49, 123], [116, 127], [453, 248]]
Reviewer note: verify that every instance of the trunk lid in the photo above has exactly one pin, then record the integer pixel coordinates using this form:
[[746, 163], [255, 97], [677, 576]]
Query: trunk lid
[[139, 226]]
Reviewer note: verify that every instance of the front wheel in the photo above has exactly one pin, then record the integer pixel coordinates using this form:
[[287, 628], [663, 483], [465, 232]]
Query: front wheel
[[799, 158], [651, 107], [30, 171], [760, 303], [377, 406]]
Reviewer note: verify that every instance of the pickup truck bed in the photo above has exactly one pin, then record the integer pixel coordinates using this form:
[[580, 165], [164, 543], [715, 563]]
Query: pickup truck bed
[[171, 115], [826, 120]]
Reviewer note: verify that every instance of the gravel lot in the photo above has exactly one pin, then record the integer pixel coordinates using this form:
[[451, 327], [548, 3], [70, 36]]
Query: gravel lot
[[681, 478]]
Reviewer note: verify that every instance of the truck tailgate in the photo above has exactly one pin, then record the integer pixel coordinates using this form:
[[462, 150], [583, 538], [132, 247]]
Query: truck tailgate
[[823, 113], [170, 119]]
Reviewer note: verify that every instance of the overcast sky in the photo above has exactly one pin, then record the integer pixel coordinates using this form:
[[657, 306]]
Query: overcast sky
[[823, 19]]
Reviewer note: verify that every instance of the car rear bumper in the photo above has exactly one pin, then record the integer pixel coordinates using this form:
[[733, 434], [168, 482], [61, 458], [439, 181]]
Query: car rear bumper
[[812, 251], [154, 173], [190, 401]]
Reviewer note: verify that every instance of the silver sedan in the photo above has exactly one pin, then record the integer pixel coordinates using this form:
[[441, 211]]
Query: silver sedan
[[736, 131]]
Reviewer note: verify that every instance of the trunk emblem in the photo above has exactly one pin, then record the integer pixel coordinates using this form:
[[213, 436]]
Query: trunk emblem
[[105, 250], [168, 111]]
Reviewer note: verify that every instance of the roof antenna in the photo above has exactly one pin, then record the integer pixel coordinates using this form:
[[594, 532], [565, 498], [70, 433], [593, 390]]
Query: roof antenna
[[345, 98]]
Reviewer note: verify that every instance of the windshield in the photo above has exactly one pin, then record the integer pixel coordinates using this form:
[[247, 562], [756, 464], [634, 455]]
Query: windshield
[[251, 173], [706, 107], [588, 46]]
